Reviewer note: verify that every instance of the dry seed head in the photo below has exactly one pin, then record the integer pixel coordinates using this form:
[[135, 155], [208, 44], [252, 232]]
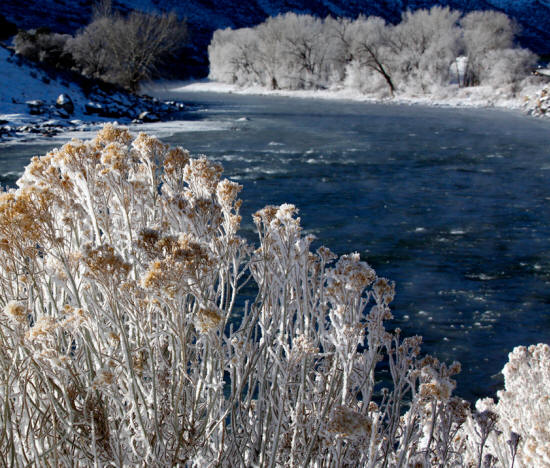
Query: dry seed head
[[154, 276], [103, 378], [103, 261], [175, 160], [74, 317], [112, 134], [348, 422], [202, 176], [384, 290], [304, 346], [460, 409], [114, 338], [45, 326], [227, 192], [16, 311], [115, 157], [438, 390], [208, 318], [149, 148], [372, 407], [265, 215], [326, 254]]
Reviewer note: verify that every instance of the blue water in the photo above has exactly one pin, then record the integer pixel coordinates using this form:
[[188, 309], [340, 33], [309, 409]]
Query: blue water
[[451, 204]]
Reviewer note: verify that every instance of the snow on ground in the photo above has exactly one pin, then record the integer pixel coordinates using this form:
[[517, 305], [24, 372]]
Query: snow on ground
[[480, 96], [22, 83], [28, 108]]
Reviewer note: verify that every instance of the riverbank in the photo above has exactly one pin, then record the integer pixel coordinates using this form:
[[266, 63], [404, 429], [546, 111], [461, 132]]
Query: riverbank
[[534, 99], [37, 102]]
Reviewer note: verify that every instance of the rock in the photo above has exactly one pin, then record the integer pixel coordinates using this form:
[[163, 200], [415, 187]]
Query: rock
[[147, 116], [539, 106], [50, 132], [54, 123], [115, 112], [28, 129], [94, 108], [50, 123], [65, 102], [36, 107]]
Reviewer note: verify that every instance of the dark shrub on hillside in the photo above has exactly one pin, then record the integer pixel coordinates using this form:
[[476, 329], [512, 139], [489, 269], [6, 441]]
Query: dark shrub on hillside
[[41, 45]]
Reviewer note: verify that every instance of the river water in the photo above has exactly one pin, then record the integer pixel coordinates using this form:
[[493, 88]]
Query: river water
[[451, 204]]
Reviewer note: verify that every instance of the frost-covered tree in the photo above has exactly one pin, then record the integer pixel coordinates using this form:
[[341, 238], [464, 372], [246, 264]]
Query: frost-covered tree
[[507, 68], [234, 57], [340, 34], [425, 45], [90, 49], [270, 53], [484, 32], [304, 49], [373, 56], [287, 51], [422, 54]]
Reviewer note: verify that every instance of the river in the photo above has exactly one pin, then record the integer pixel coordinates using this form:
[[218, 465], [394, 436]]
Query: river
[[451, 204]]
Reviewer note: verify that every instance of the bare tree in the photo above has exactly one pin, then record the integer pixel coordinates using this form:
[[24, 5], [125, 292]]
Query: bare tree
[[270, 52], [127, 50], [371, 47], [340, 33], [90, 48], [304, 48]]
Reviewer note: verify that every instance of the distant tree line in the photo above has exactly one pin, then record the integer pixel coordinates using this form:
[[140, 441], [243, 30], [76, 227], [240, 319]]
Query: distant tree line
[[426, 50], [123, 50]]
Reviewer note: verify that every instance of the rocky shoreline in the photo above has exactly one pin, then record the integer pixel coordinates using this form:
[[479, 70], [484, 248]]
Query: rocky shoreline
[[51, 118], [39, 102]]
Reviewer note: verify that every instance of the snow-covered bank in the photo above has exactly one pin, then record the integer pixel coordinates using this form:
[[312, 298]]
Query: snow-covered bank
[[36, 104], [531, 98]]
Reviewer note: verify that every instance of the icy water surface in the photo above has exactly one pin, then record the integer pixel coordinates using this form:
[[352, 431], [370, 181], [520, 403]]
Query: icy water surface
[[451, 204]]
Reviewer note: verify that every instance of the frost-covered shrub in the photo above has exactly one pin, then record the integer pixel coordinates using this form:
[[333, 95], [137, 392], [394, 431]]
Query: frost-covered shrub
[[488, 43], [520, 434], [125, 340], [507, 67]]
